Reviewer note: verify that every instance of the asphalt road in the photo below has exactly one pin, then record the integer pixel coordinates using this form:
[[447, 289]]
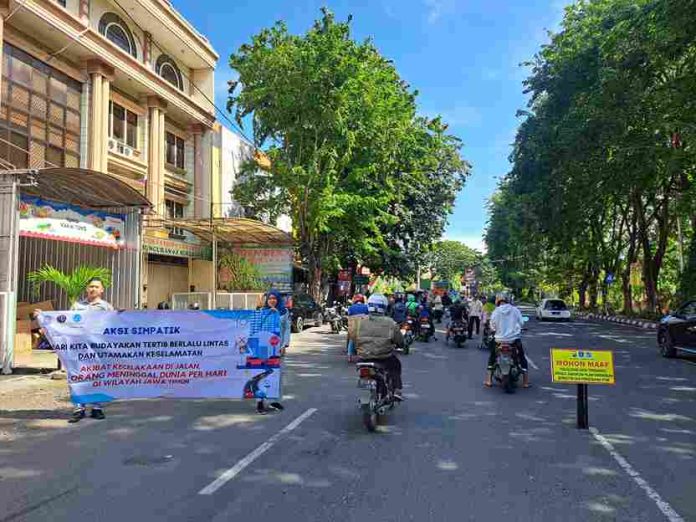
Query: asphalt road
[[453, 451]]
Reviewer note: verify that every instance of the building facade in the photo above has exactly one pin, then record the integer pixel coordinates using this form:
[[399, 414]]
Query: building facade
[[123, 87]]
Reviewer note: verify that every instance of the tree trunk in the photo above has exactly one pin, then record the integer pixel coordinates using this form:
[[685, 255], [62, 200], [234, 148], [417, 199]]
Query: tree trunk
[[582, 293], [627, 290], [605, 293]]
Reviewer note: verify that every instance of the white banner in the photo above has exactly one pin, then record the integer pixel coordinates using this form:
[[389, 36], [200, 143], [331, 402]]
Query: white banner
[[50, 220], [178, 354]]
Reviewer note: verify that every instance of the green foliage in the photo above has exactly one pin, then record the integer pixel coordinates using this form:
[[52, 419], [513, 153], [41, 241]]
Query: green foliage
[[243, 275], [73, 283], [449, 259], [365, 179], [604, 161]]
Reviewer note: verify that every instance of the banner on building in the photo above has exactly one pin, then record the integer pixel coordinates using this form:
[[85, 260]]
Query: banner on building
[[51, 220], [167, 354], [274, 264]]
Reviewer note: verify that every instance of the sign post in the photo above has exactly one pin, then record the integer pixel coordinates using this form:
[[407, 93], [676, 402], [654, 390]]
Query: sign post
[[582, 367]]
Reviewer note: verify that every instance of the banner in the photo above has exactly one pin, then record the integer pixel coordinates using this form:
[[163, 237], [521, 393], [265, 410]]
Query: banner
[[165, 353], [572, 366], [274, 265], [51, 220]]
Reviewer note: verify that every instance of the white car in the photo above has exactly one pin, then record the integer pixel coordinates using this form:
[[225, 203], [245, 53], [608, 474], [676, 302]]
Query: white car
[[553, 309]]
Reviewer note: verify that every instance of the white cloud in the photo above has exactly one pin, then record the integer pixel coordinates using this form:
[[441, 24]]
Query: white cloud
[[438, 8], [471, 240]]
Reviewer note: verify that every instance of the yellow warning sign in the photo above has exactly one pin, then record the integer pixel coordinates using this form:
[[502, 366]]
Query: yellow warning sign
[[577, 366]]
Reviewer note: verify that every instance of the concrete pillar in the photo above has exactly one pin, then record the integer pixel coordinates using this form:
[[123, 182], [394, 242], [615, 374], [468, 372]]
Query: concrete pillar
[[147, 50], [106, 95], [156, 151], [4, 11], [101, 75], [84, 12], [95, 118], [201, 186]]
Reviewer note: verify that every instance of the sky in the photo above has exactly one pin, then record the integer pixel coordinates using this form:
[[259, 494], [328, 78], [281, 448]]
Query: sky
[[463, 56]]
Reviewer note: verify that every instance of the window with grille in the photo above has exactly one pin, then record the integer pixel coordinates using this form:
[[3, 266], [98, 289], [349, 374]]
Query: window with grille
[[39, 114], [175, 210], [116, 31], [123, 125], [169, 70], [175, 150]]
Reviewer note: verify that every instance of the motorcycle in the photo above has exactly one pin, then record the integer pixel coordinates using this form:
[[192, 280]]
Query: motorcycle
[[486, 337], [377, 395], [507, 369], [437, 315], [457, 333], [425, 332], [407, 334], [334, 318]]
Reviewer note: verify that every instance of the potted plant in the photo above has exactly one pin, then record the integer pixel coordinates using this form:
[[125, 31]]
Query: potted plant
[[72, 283]]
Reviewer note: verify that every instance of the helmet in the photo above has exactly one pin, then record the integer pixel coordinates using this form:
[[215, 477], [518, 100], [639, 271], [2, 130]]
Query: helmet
[[377, 304], [411, 298], [501, 297], [358, 298]]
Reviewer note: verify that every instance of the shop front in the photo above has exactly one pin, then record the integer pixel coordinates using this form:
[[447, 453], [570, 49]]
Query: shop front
[[266, 248], [174, 267], [64, 218]]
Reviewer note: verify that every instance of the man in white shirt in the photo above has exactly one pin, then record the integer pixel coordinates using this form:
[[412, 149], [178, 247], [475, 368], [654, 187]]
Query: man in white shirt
[[475, 311], [507, 321], [92, 303]]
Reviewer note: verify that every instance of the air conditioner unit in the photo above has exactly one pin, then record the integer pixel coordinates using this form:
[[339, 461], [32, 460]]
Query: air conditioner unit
[[127, 151]]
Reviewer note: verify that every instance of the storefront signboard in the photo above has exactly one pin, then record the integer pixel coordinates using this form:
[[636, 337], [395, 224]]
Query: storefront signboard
[[51, 220], [170, 247], [274, 264]]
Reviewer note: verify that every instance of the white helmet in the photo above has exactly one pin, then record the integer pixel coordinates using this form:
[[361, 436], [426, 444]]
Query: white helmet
[[377, 304]]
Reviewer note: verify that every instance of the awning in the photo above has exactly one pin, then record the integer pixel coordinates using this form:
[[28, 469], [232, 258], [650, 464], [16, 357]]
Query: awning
[[81, 187], [234, 231]]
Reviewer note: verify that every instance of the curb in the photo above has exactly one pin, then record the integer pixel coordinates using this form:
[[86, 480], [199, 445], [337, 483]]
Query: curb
[[649, 325]]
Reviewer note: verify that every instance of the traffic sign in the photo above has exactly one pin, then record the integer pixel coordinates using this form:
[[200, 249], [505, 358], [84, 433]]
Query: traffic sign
[[578, 366]]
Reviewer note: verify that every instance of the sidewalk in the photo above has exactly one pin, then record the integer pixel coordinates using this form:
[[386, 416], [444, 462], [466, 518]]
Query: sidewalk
[[641, 323]]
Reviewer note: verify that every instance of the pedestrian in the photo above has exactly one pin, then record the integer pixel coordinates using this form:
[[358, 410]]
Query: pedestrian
[[92, 303], [275, 304], [475, 311]]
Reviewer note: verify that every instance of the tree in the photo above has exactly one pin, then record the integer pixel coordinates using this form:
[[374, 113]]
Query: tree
[[342, 134], [449, 259], [73, 283], [603, 162]]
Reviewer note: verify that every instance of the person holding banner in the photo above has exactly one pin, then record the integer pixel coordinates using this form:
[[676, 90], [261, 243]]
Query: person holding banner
[[92, 303], [274, 304], [274, 301]]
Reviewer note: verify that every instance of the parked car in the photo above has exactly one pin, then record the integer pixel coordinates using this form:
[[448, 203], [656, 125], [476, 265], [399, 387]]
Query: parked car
[[677, 331], [305, 312], [553, 309]]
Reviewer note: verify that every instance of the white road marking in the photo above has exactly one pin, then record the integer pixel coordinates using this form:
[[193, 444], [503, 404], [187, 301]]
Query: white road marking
[[653, 495], [251, 457], [531, 362]]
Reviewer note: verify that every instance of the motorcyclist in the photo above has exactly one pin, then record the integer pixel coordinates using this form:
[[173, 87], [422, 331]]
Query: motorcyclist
[[437, 306], [506, 322], [358, 308], [424, 312], [412, 306], [446, 300], [457, 315], [399, 311], [375, 336]]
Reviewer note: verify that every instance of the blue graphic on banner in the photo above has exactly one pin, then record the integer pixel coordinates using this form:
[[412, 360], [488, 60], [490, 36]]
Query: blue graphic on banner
[[175, 354]]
